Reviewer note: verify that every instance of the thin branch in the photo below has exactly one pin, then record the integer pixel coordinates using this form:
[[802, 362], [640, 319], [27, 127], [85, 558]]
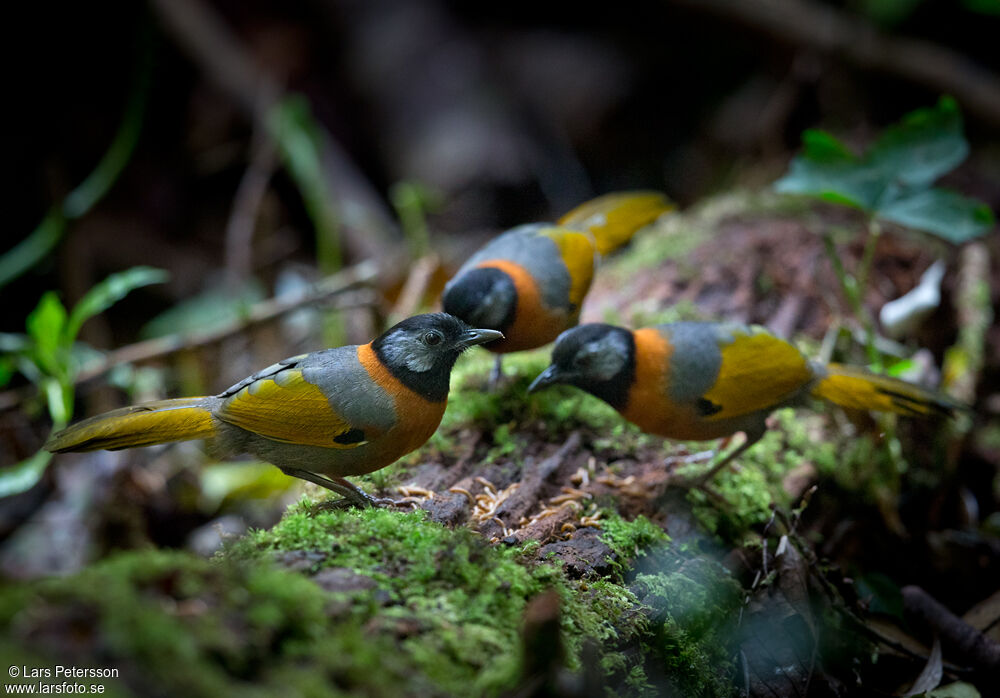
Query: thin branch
[[415, 288], [246, 205], [975, 648], [355, 279]]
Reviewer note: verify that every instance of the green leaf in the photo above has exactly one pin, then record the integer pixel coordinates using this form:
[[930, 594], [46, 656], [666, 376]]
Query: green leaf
[[107, 293], [959, 689], [211, 308], [7, 367], [14, 343], [826, 168], [924, 145], [225, 482], [46, 324], [944, 213], [21, 477], [299, 140], [34, 248], [59, 397]]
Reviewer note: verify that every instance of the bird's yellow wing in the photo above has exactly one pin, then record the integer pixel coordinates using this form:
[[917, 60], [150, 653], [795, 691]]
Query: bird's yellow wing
[[614, 218], [758, 372], [284, 406], [578, 253]]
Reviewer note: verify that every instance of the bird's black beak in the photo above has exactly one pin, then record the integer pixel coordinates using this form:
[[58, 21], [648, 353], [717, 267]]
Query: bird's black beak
[[545, 378], [474, 337]]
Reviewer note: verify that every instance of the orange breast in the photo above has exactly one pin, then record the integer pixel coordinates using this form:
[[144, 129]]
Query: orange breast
[[534, 323], [649, 404], [416, 417]]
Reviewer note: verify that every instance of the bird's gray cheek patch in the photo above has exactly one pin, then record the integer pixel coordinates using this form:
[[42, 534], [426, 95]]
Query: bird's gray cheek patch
[[609, 356], [418, 361], [409, 355]]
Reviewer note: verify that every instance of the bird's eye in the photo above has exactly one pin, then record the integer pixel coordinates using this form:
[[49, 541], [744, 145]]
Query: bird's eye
[[433, 338]]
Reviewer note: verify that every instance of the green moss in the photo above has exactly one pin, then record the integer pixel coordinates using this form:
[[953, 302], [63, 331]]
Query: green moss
[[629, 540], [466, 597], [503, 413], [692, 604], [751, 489], [173, 624], [434, 611]]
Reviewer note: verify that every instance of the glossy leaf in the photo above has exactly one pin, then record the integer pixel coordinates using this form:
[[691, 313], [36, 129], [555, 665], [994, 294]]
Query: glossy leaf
[[827, 169], [892, 181], [945, 213], [924, 145]]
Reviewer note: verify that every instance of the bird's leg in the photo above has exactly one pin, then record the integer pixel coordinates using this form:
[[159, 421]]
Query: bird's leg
[[496, 374], [690, 458], [750, 438], [701, 482], [347, 490]]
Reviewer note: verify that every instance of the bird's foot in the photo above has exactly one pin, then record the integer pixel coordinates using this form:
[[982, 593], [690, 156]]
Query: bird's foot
[[351, 495]]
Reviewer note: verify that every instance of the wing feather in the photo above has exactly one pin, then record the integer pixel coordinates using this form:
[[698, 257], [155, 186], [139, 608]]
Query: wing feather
[[758, 372], [284, 406], [579, 254]]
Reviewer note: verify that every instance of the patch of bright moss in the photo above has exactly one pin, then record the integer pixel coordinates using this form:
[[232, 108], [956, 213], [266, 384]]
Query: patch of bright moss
[[629, 540], [175, 624]]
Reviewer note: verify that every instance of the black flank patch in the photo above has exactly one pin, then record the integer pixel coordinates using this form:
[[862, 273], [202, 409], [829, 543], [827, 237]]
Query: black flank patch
[[351, 436], [706, 408]]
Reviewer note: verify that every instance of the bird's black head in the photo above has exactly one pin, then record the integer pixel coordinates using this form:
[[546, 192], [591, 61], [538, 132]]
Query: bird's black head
[[482, 297], [595, 357], [420, 351]]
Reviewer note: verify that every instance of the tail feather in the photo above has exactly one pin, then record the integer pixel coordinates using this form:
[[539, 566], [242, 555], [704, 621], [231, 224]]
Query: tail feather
[[856, 388], [614, 218], [141, 425]]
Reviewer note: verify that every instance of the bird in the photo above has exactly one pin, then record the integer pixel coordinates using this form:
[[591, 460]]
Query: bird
[[697, 381], [320, 416], [530, 281]]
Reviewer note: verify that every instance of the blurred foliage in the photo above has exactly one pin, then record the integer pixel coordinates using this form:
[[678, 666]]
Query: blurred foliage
[[412, 201], [211, 308], [49, 356], [78, 202], [892, 180], [298, 138]]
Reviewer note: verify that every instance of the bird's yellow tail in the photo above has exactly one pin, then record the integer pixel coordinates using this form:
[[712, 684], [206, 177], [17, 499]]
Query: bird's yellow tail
[[140, 425], [614, 218], [856, 388]]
